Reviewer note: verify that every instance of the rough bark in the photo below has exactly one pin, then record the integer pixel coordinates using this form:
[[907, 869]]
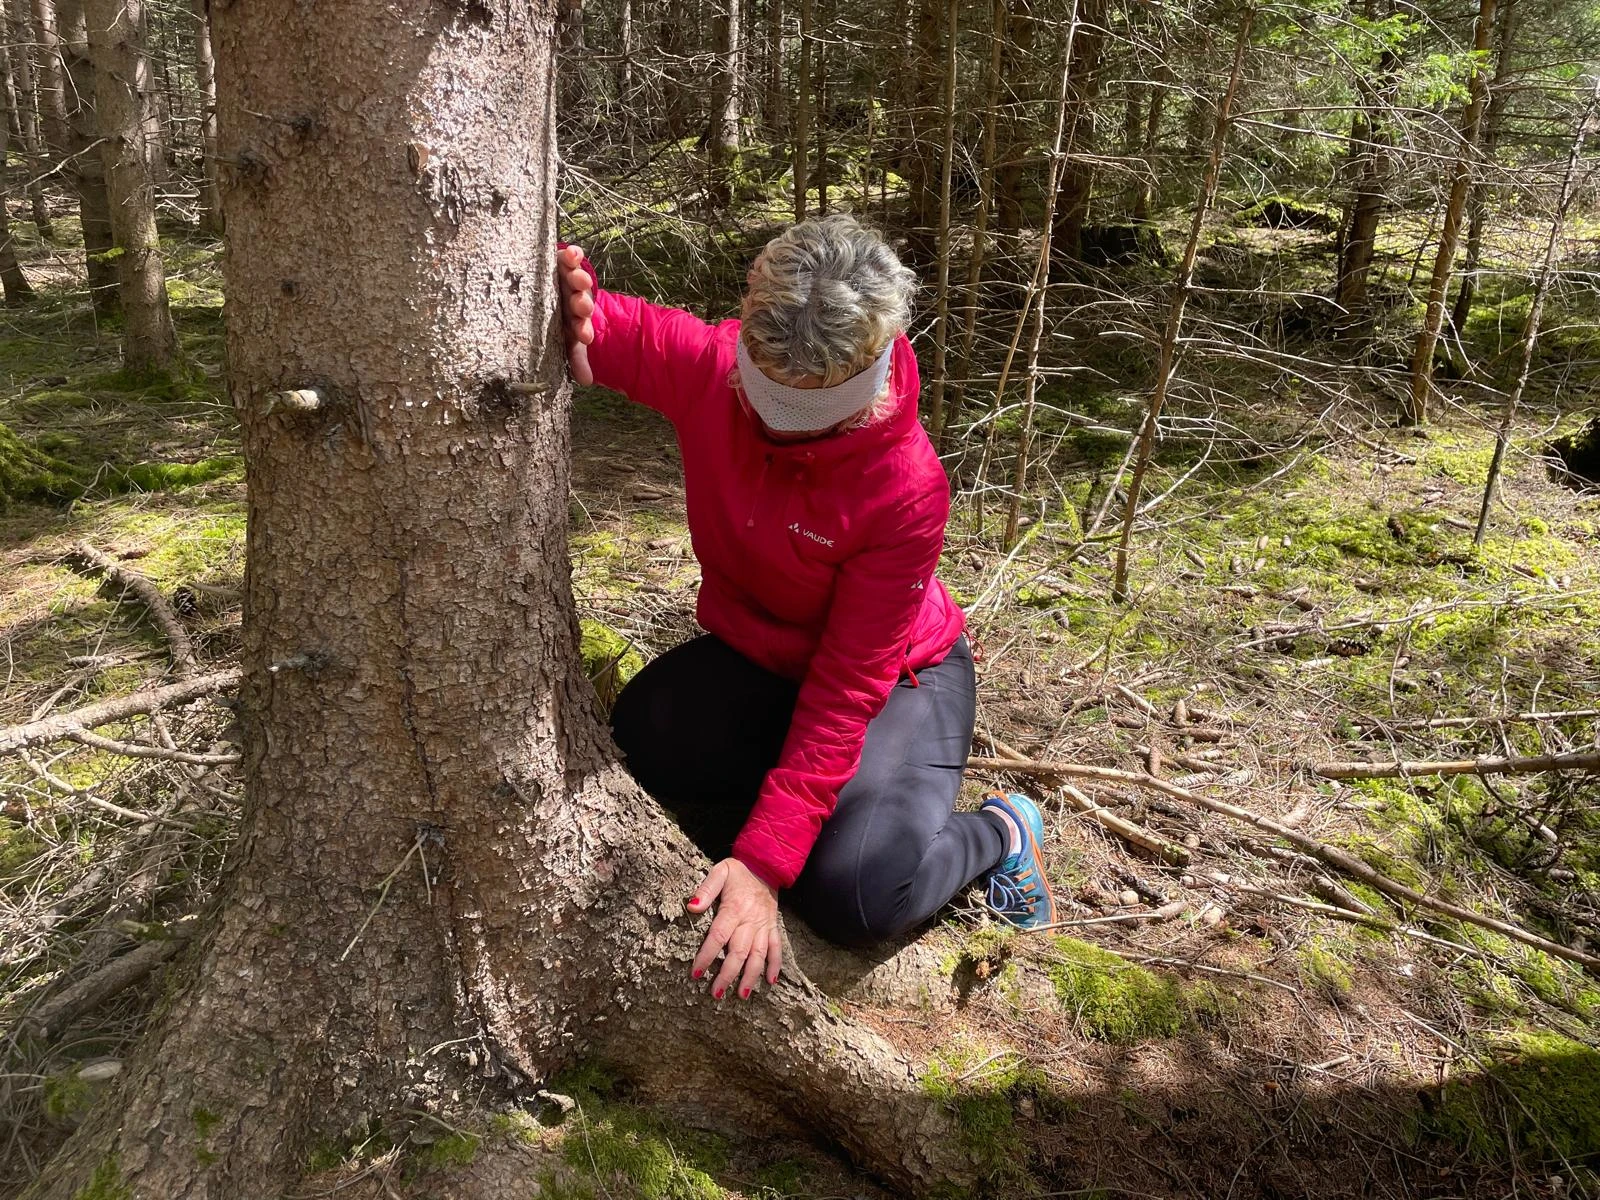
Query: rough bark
[[14, 283], [81, 148], [724, 139], [52, 94], [802, 114], [975, 258], [22, 48], [1077, 171], [1478, 202], [819, 107], [922, 154], [407, 541], [149, 342], [1369, 163], [205, 80], [774, 113], [941, 336], [1416, 409]]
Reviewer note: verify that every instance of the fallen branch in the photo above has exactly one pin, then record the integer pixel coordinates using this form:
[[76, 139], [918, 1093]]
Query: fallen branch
[[120, 973], [184, 663], [1571, 714], [103, 712], [1127, 830], [131, 750], [1332, 856], [1578, 760]]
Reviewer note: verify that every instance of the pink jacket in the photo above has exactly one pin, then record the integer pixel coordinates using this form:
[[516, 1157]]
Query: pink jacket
[[816, 559]]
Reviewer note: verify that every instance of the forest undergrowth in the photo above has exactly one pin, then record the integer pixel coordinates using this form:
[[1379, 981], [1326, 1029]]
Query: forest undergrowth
[[1219, 1011]]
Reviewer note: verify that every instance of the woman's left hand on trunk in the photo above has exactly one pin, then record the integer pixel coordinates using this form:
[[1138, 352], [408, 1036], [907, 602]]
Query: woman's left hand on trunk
[[745, 929]]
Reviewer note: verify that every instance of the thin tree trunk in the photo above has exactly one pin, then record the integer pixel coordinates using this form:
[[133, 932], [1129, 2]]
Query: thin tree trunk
[[158, 159], [819, 108], [1478, 204], [1040, 291], [83, 148], [802, 114], [1416, 409], [942, 295], [28, 122], [986, 173], [773, 109], [148, 340], [1530, 330], [1077, 173], [446, 737], [1147, 187], [52, 93], [1368, 161], [624, 73], [571, 58], [1169, 340], [14, 283], [725, 138], [1014, 127], [921, 155], [206, 84]]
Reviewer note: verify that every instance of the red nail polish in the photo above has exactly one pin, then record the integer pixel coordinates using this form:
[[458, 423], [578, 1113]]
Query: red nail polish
[[717, 995], [697, 974], [692, 901], [744, 993], [772, 980]]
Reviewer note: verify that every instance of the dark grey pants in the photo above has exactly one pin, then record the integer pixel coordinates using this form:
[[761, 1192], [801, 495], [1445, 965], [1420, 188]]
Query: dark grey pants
[[702, 725]]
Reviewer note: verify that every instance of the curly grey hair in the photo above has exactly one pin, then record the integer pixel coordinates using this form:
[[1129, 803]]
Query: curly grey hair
[[825, 298]]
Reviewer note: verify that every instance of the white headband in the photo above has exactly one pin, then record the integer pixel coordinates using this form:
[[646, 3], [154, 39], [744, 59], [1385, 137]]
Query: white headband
[[786, 409]]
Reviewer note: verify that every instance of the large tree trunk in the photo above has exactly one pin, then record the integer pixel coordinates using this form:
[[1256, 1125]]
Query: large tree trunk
[[1478, 203], [205, 79], [412, 683], [1416, 410], [82, 132], [148, 340]]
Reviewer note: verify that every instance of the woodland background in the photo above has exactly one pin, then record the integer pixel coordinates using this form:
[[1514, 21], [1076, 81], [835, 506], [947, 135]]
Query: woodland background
[[1259, 344]]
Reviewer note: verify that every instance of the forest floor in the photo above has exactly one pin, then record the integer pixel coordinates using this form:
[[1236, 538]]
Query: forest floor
[[1303, 594]]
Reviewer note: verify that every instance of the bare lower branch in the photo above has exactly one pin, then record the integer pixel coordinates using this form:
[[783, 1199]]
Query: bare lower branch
[[103, 712]]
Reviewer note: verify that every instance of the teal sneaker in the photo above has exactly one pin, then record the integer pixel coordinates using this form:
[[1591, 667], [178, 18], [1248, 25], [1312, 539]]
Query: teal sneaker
[[1018, 889]]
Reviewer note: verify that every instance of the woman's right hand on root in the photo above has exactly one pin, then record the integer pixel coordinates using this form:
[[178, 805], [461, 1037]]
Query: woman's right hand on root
[[577, 310]]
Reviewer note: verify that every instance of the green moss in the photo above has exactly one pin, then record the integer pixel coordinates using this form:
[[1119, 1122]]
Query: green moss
[[19, 845], [983, 1098], [1114, 1001], [782, 1179], [29, 474], [514, 1126], [1540, 1092], [450, 1152], [629, 1149], [67, 1096], [105, 1184], [609, 659], [204, 1122], [170, 477], [1322, 967]]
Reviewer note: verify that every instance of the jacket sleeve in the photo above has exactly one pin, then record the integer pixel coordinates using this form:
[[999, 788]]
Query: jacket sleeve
[[860, 658], [659, 357]]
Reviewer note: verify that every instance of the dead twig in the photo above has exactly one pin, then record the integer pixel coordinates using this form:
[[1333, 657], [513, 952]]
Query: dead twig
[[184, 662], [120, 973], [1579, 760]]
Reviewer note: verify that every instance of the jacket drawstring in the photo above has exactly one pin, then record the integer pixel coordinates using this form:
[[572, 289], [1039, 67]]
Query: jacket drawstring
[[755, 502]]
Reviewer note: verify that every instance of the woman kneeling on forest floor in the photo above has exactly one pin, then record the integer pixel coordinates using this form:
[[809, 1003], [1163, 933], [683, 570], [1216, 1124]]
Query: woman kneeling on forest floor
[[814, 738]]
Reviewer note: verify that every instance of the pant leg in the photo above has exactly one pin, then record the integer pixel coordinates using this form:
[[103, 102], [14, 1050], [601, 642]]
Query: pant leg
[[700, 727], [895, 851]]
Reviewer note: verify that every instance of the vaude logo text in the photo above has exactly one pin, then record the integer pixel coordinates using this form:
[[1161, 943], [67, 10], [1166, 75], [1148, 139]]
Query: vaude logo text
[[806, 533]]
